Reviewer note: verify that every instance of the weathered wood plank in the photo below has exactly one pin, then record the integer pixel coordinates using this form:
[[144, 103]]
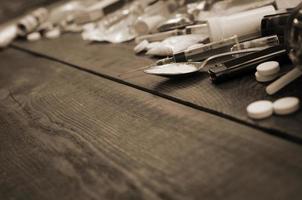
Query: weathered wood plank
[[229, 99], [66, 134]]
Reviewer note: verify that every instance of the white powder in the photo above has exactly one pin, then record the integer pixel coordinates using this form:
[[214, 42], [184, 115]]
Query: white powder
[[160, 50], [175, 44], [172, 69]]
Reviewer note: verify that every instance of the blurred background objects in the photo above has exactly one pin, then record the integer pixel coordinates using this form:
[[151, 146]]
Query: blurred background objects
[[14, 8]]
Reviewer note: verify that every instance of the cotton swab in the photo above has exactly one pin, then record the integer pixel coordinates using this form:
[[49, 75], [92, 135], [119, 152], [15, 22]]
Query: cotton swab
[[283, 81]]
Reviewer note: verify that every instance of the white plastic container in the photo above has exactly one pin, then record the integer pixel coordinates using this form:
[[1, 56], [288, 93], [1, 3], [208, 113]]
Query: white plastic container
[[246, 25]]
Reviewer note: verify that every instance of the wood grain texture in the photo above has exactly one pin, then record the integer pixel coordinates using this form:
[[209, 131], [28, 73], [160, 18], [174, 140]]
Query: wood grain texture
[[66, 134], [228, 99]]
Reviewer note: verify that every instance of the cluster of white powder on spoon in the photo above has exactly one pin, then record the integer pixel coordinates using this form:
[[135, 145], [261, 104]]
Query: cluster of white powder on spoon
[[172, 69]]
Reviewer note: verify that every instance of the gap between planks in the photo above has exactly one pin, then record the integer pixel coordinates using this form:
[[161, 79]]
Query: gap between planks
[[275, 133]]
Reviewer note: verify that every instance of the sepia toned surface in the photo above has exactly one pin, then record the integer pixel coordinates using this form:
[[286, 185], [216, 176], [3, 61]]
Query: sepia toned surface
[[68, 134], [118, 62], [80, 121]]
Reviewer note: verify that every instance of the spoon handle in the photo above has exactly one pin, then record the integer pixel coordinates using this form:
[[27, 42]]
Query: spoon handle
[[206, 61]]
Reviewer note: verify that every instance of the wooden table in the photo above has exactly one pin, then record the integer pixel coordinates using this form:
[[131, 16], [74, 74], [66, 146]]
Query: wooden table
[[78, 122]]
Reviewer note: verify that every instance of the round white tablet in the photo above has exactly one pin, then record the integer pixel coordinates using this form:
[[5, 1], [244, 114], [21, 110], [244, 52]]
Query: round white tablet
[[52, 34], [35, 36], [263, 79], [287, 105], [260, 109], [268, 68]]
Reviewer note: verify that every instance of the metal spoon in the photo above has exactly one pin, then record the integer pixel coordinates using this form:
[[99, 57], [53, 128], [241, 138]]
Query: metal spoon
[[186, 68]]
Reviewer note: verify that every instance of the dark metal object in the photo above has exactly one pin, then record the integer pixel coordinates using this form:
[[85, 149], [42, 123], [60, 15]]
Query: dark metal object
[[275, 25], [245, 64], [295, 36]]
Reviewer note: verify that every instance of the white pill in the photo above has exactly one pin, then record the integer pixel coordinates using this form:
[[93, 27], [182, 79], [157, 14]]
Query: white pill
[[263, 79], [268, 68], [52, 34], [142, 46], [287, 105], [260, 109], [35, 36]]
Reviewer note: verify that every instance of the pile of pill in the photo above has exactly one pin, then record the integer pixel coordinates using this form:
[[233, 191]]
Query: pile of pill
[[267, 71], [264, 108]]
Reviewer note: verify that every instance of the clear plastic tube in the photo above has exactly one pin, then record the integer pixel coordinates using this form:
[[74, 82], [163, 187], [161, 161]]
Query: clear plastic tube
[[246, 25], [203, 52], [264, 42]]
